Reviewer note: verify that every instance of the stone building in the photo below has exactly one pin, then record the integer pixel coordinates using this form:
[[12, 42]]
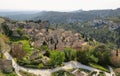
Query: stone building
[[6, 66]]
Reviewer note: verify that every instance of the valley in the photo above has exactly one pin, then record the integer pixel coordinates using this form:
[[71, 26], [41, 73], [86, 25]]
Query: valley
[[84, 43]]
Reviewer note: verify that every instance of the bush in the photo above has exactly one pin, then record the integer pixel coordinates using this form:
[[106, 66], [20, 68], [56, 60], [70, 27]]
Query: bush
[[62, 73], [93, 73], [20, 31], [101, 74], [40, 65], [4, 37], [85, 57], [10, 74], [103, 54], [98, 67], [23, 62], [25, 44], [31, 66], [70, 54], [85, 70], [7, 31], [57, 57], [24, 73]]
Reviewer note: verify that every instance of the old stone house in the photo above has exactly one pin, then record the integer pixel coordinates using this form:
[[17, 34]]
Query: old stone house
[[6, 66]]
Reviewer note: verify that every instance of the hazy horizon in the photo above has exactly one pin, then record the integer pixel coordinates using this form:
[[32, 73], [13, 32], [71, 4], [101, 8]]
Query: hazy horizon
[[7, 10], [57, 5]]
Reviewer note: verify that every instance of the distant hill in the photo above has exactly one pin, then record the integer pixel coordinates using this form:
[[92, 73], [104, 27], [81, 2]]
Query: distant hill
[[65, 17]]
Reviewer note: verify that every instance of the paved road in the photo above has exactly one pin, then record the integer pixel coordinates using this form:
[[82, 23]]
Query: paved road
[[47, 72]]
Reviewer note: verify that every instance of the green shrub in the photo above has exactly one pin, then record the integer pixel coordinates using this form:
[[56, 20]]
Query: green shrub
[[98, 67], [70, 54], [4, 37], [57, 57], [93, 73], [26, 45], [24, 73], [20, 31], [10, 74], [62, 73], [101, 74], [40, 65]]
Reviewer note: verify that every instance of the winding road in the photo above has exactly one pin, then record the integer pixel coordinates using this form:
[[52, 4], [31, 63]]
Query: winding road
[[47, 72]]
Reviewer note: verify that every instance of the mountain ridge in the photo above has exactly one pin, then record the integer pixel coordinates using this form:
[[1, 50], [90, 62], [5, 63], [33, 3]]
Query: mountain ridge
[[65, 17]]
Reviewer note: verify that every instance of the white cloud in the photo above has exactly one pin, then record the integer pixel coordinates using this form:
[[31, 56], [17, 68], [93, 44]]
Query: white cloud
[[58, 5]]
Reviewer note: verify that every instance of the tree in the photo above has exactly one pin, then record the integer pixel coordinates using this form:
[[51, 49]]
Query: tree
[[85, 55], [6, 29], [57, 57], [103, 54], [70, 54], [44, 46], [20, 32], [81, 57], [17, 51]]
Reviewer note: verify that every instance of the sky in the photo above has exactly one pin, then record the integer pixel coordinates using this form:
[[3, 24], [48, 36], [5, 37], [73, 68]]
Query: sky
[[58, 5]]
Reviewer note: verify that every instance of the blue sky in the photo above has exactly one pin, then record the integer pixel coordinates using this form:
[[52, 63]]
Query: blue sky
[[58, 5]]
